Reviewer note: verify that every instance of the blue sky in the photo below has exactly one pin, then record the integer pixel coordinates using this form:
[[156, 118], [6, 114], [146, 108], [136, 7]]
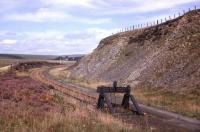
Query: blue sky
[[74, 26]]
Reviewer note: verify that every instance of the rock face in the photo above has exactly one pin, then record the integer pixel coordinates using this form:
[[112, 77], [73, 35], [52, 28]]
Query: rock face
[[162, 56]]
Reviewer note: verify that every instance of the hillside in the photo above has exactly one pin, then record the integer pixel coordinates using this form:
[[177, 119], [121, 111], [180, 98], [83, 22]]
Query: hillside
[[26, 56], [162, 56]]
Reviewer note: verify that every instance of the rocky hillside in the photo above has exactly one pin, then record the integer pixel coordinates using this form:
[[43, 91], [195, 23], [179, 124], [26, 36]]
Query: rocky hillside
[[162, 56]]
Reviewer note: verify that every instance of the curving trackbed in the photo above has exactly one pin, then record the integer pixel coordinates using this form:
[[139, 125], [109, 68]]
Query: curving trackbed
[[89, 96]]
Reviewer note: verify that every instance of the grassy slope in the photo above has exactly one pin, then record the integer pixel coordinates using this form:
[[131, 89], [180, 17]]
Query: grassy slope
[[79, 120], [187, 103], [23, 56], [6, 62], [22, 110]]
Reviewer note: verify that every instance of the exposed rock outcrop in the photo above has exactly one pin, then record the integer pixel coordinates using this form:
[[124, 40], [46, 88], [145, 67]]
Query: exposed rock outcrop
[[162, 56]]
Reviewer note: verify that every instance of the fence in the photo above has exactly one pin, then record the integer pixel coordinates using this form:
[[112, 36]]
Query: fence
[[154, 23]]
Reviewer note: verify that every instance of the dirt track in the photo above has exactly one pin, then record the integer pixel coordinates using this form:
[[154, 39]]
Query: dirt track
[[38, 74], [159, 120]]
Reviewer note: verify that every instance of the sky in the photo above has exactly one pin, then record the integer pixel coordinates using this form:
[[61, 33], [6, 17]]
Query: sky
[[61, 27]]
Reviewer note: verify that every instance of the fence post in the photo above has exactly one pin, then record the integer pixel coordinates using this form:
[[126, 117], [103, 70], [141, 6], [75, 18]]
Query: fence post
[[161, 21], [174, 16], [189, 9], [195, 8], [165, 19], [169, 18], [179, 14]]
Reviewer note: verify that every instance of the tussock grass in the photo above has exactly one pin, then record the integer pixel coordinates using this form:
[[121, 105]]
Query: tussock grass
[[62, 73], [83, 119], [187, 103], [4, 69]]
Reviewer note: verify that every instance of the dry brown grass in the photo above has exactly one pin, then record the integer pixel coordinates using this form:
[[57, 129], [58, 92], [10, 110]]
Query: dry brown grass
[[84, 118], [87, 84], [4, 69], [63, 114], [187, 103], [6, 62], [64, 74], [22, 74]]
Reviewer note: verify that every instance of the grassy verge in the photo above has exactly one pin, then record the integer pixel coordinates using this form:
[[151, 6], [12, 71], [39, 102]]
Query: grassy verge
[[6, 62], [187, 103], [56, 122], [81, 118], [64, 74]]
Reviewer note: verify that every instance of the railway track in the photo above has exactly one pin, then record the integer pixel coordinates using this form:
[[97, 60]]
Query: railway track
[[39, 74]]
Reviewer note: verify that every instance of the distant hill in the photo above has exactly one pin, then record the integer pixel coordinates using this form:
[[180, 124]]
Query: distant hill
[[24, 56], [41, 57]]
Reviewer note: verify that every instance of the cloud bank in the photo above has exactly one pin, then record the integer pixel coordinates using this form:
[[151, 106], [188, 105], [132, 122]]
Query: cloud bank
[[74, 26]]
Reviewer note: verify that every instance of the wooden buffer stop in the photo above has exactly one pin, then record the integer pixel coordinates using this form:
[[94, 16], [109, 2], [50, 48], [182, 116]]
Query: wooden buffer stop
[[104, 98]]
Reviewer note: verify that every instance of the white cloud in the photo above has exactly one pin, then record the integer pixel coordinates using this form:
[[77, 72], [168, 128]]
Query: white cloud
[[92, 21], [91, 13], [8, 42], [68, 3], [138, 6], [59, 42], [6, 5], [46, 15], [42, 15], [71, 10]]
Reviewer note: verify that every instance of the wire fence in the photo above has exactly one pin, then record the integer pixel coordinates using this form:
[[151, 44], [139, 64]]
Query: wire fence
[[157, 22]]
